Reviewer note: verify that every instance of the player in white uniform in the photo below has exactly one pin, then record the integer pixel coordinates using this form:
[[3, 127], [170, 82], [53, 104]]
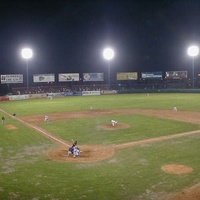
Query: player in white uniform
[[76, 152], [113, 122], [46, 118]]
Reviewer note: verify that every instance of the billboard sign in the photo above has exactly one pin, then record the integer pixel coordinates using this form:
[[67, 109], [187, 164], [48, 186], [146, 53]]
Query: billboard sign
[[151, 75], [11, 78], [176, 75], [93, 77], [121, 76], [43, 78], [68, 77]]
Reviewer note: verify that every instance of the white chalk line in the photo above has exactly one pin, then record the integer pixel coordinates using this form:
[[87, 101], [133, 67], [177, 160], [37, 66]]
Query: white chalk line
[[157, 139], [40, 130]]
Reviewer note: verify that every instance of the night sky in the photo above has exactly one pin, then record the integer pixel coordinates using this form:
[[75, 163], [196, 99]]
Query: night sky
[[69, 35]]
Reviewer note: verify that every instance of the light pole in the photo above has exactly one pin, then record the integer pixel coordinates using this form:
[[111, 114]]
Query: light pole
[[193, 51], [27, 54], [108, 54]]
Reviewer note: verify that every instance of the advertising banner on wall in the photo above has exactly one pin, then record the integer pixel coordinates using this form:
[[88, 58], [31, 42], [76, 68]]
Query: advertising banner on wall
[[43, 78], [11, 78], [151, 75], [68, 77], [91, 93], [176, 75], [122, 76], [93, 77]]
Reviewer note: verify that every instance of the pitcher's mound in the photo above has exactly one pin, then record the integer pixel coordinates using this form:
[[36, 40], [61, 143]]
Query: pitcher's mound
[[176, 169], [118, 126], [89, 153]]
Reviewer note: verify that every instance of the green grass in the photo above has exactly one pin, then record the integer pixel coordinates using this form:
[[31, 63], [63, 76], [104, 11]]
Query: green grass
[[155, 101], [129, 174], [26, 172], [89, 131]]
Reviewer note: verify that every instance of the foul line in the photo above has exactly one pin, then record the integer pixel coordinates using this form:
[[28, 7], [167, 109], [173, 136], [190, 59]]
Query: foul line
[[40, 130], [157, 139]]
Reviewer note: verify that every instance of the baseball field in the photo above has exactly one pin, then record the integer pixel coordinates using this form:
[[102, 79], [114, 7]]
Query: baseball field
[[152, 153]]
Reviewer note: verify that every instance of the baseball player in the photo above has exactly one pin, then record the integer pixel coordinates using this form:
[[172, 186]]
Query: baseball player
[[175, 109], [113, 122], [2, 120], [72, 149], [76, 152], [46, 118]]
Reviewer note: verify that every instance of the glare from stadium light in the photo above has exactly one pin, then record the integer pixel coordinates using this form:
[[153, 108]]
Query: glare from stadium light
[[27, 54], [108, 53], [193, 51]]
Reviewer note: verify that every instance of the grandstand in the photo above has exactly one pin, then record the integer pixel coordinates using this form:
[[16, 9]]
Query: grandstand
[[75, 83]]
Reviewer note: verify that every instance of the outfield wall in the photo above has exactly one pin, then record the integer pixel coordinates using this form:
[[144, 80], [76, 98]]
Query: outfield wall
[[49, 95], [158, 91], [94, 93]]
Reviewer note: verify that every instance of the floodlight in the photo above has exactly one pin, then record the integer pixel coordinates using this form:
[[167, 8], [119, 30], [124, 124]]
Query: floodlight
[[108, 53], [193, 51], [27, 54]]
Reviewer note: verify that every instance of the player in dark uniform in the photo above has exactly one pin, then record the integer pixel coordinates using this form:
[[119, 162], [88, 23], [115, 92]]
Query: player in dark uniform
[[3, 119], [71, 149]]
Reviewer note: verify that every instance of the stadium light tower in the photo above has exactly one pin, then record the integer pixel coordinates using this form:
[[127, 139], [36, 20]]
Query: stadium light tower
[[193, 51], [27, 54], [108, 54]]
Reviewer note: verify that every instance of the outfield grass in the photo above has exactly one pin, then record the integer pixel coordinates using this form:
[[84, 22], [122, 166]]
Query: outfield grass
[[155, 101], [27, 173]]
